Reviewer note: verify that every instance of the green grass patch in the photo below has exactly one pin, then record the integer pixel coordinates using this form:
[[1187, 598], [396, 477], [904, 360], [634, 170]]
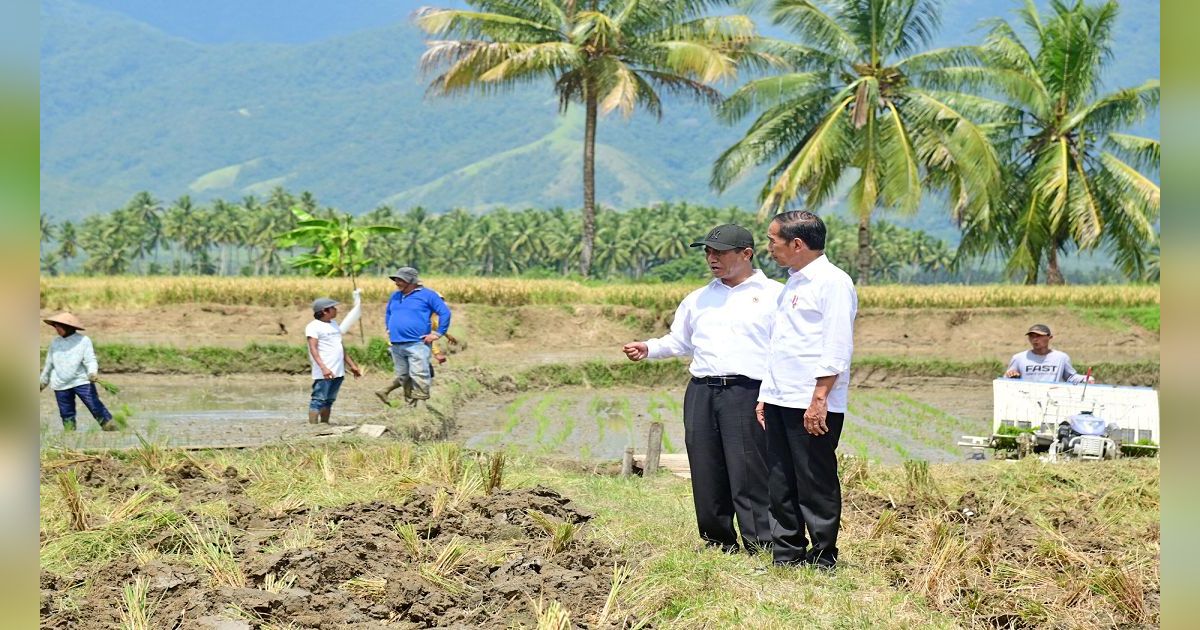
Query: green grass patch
[[1120, 319]]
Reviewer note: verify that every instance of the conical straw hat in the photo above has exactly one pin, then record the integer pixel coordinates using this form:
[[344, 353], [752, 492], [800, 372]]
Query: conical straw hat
[[66, 319]]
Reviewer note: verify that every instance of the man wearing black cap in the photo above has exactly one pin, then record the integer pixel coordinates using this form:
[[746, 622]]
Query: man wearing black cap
[[724, 328], [1040, 364]]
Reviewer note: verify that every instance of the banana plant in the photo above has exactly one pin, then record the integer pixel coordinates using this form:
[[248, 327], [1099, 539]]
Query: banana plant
[[337, 243]]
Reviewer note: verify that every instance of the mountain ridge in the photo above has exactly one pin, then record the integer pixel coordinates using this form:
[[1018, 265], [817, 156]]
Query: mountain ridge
[[127, 106]]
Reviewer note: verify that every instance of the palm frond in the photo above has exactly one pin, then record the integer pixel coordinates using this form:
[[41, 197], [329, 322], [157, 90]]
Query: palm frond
[[914, 65], [534, 62], [765, 53], [1131, 182], [1143, 152], [682, 86], [696, 60], [912, 24], [621, 93], [820, 151], [769, 92], [477, 25], [780, 130], [901, 170], [1087, 221], [1120, 108], [815, 27]]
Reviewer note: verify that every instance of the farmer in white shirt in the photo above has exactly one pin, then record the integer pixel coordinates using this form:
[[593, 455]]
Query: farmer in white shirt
[[328, 358], [723, 327], [1040, 364], [803, 396], [72, 371]]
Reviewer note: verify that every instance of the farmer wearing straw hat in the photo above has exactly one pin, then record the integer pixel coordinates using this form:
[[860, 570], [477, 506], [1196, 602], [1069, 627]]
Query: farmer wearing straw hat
[[71, 371]]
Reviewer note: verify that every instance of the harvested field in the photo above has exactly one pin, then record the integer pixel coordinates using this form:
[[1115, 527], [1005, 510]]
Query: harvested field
[[419, 543]]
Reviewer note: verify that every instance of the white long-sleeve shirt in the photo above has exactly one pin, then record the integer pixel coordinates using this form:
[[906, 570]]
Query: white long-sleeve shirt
[[69, 361], [724, 329], [812, 335]]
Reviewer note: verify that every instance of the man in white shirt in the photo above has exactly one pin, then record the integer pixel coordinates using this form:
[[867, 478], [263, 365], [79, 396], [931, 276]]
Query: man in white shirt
[[1040, 364], [328, 358], [723, 327], [804, 393]]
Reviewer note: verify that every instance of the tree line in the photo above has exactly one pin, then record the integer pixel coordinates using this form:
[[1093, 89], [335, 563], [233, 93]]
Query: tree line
[[1017, 132], [150, 237]]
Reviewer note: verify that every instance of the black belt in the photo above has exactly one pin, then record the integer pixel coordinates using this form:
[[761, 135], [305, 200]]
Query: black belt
[[725, 381]]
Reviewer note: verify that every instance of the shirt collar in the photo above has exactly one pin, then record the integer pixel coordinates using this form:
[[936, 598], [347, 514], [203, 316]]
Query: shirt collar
[[754, 278], [810, 270]]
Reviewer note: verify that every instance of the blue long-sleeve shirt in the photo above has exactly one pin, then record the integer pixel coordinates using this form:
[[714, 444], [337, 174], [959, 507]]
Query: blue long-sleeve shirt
[[407, 316]]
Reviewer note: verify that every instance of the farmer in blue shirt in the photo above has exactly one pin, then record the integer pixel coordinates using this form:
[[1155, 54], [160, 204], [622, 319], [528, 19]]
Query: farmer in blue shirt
[[407, 316]]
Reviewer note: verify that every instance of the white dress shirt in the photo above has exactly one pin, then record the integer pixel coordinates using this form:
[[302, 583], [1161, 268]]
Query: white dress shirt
[[812, 335], [724, 329]]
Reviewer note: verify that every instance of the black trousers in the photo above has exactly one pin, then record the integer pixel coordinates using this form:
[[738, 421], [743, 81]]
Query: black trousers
[[726, 450], [805, 491]]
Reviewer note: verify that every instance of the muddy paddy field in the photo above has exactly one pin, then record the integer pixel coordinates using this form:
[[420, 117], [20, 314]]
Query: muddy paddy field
[[509, 525]]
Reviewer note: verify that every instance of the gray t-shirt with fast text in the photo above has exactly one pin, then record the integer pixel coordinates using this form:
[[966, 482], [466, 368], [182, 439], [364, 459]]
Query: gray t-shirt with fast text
[[1053, 367]]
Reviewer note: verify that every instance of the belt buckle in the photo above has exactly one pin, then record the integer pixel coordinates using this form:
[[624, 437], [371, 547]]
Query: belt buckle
[[724, 380]]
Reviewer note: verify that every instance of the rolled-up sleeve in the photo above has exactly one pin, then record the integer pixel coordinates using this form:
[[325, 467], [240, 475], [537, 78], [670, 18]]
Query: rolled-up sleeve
[[677, 343], [837, 324]]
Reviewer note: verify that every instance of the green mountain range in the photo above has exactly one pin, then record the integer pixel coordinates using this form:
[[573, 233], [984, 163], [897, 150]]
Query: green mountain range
[[213, 110]]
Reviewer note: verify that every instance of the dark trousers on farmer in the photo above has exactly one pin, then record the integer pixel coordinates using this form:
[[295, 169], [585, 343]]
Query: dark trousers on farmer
[[726, 451], [805, 491], [91, 399]]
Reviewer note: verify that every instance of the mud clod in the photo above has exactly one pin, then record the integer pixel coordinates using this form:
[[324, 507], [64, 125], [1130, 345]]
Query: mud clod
[[482, 561]]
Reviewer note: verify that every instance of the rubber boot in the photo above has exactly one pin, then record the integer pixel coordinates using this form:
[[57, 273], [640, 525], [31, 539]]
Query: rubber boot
[[382, 394]]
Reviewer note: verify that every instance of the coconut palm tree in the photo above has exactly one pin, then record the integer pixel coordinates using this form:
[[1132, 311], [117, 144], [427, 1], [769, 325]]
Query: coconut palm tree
[[604, 54], [68, 241], [854, 106], [47, 228], [146, 212], [1078, 181]]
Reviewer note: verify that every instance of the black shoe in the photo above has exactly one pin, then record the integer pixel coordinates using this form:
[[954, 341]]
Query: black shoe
[[823, 562]]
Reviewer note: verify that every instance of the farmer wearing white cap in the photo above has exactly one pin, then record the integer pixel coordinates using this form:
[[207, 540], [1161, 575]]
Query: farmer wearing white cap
[[328, 357], [71, 370], [724, 327], [411, 334], [1040, 364]]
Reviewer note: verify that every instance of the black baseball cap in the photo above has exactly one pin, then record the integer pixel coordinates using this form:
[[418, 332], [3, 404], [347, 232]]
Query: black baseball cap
[[726, 237], [1038, 329]]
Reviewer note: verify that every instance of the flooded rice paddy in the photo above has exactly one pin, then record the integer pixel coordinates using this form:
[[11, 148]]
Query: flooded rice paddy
[[884, 425]]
